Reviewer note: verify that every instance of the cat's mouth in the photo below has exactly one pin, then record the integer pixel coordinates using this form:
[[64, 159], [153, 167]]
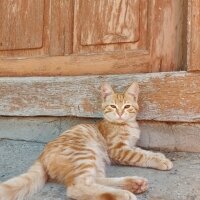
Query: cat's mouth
[[120, 119]]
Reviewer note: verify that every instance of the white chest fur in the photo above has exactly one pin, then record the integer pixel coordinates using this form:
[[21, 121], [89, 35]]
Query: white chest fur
[[134, 133]]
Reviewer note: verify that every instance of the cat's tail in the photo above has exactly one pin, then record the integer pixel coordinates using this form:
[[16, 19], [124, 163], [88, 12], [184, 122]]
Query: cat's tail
[[18, 188]]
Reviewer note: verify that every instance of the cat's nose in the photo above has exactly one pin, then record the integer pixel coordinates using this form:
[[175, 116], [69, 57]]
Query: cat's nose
[[120, 114]]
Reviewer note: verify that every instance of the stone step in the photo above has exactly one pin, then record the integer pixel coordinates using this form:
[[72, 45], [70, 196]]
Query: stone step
[[154, 135]]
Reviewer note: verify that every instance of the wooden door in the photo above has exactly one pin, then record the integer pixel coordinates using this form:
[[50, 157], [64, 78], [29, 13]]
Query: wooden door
[[75, 37]]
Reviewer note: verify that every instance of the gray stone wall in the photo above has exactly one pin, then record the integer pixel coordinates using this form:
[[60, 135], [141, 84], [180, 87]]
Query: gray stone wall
[[154, 135]]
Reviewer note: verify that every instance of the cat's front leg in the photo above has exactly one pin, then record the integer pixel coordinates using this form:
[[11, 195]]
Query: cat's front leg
[[139, 157], [156, 160]]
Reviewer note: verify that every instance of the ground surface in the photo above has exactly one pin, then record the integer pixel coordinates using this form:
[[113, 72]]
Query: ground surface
[[181, 183]]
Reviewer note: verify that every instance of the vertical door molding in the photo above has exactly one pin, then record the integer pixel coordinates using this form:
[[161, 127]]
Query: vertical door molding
[[167, 35], [193, 58]]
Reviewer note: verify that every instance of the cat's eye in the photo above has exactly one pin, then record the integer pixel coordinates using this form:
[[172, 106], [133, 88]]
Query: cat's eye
[[127, 106], [113, 106]]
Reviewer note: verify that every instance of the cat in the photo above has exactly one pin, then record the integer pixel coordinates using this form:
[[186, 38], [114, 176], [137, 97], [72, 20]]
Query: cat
[[77, 158]]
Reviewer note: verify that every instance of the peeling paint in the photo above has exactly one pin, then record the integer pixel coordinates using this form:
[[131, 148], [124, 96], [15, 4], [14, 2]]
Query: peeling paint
[[164, 96]]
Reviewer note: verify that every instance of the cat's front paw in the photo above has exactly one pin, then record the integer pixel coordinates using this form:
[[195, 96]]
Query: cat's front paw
[[135, 184], [164, 164], [167, 164], [159, 161]]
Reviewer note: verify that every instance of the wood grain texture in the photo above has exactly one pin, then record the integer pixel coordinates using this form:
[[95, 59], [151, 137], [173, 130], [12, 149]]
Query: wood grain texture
[[160, 29], [104, 26], [194, 35], [19, 19], [24, 28], [98, 37], [167, 38], [69, 26], [108, 22], [58, 17], [112, 63], [164, 96]]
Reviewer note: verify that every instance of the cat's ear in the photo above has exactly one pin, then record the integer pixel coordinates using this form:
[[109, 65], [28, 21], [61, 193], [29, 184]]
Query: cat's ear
[[133, 90], [106, 90]]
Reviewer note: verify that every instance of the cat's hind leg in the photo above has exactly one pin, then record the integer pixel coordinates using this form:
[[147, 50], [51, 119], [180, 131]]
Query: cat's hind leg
[[87, 189], [133, 184]]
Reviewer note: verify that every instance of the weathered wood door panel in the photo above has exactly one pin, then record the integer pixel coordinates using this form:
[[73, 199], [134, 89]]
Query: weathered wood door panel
[[110, 25], [153, 28], [107, 25], [22, 21], [23, 26], [91, 37]]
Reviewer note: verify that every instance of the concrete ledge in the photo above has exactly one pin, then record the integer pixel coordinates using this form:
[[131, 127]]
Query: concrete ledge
[[170, 136], [155, 135]]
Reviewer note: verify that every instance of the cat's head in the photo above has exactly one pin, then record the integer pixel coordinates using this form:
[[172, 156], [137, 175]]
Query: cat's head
[[120, 107]]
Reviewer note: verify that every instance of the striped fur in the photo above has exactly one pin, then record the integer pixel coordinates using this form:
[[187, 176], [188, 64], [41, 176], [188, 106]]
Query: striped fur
[[26, 184], [77, 158]]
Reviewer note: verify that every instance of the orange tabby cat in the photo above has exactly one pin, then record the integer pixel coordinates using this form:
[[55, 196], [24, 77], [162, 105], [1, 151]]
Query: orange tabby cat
[[77, 157]]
